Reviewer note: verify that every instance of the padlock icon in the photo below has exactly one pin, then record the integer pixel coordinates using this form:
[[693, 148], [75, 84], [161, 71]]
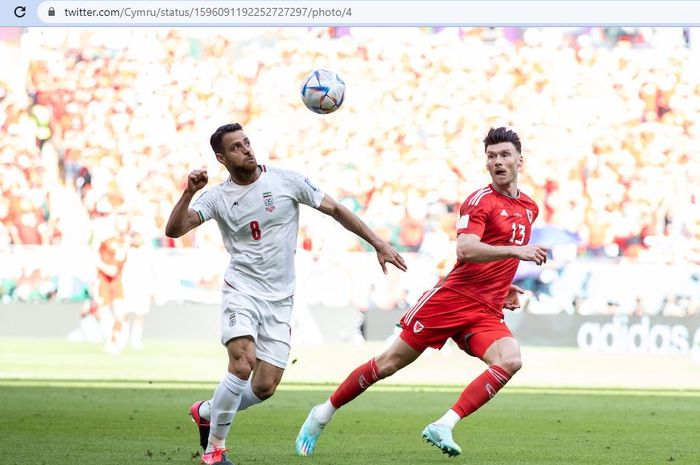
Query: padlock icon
[[52, 12]]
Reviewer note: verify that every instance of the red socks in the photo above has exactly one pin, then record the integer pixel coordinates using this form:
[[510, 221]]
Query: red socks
[[359, 380], [481, 390]]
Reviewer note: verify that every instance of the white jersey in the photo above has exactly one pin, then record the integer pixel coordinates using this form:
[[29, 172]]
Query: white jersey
[[259, 225]]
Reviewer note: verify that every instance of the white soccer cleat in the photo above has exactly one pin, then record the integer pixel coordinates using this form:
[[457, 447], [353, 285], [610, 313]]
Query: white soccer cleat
[[308, 435], [441, 437]]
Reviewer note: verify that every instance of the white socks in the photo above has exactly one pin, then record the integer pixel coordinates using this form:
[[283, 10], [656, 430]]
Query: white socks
[[248, 398], [227, 398], [324, 412], [205, 410], [449, 419], [137, 336]]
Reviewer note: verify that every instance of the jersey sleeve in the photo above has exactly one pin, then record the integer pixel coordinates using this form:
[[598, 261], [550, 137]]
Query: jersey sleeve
[[303, 190], [205, 205], [472, 218]]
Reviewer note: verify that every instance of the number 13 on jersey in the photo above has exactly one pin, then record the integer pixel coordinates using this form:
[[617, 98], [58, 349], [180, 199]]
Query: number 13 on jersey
[[518, 236]]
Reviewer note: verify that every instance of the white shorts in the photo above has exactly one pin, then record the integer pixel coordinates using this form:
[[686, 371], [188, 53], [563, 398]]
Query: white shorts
[[268, 322]]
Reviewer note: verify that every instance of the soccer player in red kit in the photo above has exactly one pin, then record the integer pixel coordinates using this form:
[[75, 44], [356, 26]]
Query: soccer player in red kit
[[467, 305]]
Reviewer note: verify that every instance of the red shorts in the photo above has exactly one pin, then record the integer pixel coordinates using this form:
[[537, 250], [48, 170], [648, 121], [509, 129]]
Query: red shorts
[[109, 290], [441, 314]]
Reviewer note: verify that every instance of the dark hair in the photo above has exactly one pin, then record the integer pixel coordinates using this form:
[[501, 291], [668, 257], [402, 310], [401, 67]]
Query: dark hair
[[498, 135], [215, 139]]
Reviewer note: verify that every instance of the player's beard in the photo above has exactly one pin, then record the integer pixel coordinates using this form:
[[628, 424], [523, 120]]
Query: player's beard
[[245, 170], [250, 165]]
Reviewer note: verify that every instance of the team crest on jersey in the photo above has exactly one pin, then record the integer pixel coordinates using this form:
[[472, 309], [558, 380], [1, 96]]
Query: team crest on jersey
[[269, 201], [417, 327], [529, 215]]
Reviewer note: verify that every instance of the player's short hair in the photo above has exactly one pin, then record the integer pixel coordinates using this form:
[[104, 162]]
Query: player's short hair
[[217, 137], [498, 135]]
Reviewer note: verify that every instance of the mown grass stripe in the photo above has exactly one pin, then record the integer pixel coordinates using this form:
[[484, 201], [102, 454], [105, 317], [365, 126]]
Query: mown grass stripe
[[145, 384]]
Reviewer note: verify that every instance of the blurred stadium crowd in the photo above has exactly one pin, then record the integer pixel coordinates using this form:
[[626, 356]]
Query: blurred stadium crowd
[[102, 122]]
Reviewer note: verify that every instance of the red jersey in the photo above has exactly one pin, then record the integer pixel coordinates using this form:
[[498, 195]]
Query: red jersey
[[498, 220], [112, 253]]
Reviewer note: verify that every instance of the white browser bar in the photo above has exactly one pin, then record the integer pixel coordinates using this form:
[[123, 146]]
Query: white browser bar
[[371, 13]]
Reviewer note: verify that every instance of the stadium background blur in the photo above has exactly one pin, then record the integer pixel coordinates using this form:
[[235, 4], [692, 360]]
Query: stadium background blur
[[100, 122]]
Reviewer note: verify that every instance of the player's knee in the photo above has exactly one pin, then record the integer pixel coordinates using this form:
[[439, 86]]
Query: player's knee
[[511, 364], [387, 370], [387, 366]]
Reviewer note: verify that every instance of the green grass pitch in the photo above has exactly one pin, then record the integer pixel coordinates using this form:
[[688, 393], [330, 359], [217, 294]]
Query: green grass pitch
[[64, 404], [57, 423]]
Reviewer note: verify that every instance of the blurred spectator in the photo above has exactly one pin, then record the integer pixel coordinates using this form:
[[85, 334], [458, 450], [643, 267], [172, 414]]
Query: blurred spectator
[[139, 286], [110, 288], [118, 118]]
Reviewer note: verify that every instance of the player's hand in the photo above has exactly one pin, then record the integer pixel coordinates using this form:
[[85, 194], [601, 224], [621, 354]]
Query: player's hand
[[386, 253], [532, 253], [196, 180], [512, 301]]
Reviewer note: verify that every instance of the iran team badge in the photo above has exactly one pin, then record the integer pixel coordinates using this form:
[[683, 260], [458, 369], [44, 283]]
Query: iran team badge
[[269, 202]]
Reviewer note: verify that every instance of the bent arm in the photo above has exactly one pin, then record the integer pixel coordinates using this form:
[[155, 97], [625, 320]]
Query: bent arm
[[182, 219], [471, 249], [107, 269]]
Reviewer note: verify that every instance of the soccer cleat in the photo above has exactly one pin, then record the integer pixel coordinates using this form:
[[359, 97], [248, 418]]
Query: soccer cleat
[[202, 424], [216, 457], [308, 435], [441, 437]]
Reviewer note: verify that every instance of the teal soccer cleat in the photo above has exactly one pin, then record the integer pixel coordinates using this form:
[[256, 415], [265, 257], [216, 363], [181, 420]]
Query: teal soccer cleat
[[441, 437], [308, 435]]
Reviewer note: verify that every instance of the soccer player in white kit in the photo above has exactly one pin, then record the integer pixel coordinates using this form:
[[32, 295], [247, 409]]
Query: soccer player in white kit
[[257, 211]]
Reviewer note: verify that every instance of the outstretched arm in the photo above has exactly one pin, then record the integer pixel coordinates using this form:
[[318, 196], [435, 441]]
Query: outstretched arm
[[183, 219], [471, 249], [351, 222]]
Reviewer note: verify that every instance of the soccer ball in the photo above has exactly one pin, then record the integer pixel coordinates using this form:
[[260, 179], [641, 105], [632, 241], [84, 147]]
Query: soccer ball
[[323, 91]]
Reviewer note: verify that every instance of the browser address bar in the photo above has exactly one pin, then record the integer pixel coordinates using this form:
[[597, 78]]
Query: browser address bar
[[370, 13]]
